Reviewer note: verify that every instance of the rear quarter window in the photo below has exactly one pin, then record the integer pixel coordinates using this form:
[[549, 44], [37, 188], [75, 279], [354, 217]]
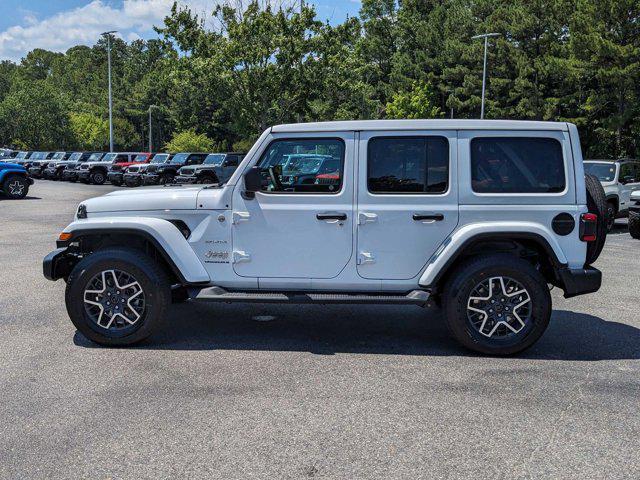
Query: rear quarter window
[[517, 165]]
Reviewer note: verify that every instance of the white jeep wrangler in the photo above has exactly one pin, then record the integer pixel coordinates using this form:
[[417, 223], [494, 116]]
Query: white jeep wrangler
[[478, 217]]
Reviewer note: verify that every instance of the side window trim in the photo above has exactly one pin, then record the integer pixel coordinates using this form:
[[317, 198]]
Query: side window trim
[[293, 139], [404, 137]]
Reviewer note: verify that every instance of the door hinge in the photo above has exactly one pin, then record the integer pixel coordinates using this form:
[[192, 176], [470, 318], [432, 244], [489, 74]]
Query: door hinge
[[365, 217], [238, 217], [365, 257], [240, 256]]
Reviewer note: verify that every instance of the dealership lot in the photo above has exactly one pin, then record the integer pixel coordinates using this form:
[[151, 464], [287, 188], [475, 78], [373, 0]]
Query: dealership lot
[[327, 392]]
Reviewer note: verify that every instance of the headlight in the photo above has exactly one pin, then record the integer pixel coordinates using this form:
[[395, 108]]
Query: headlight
[[82, 211]]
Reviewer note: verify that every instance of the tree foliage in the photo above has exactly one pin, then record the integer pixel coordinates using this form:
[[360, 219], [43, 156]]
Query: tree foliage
[[189, 141], [227, 74]]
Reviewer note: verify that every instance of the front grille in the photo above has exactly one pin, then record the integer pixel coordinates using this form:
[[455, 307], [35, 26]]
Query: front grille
[[133, 169], [115, 168], [327, 181], [52, 165], [84, 166], [152, 168], [187, 171]]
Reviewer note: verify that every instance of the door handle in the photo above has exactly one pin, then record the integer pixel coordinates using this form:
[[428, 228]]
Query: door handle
[[331, 216], [434, 217]]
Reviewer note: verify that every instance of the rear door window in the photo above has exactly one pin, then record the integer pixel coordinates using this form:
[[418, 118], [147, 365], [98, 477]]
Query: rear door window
[[517, 165], [405, 165]]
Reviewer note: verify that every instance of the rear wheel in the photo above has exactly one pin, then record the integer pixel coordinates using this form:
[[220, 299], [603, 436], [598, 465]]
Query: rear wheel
[[117, 296], [15, 187], [634, 224], [497, 304]]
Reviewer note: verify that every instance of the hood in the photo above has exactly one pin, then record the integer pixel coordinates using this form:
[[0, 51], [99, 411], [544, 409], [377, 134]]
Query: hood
[[163, 198], [11, 165], [93, 164]]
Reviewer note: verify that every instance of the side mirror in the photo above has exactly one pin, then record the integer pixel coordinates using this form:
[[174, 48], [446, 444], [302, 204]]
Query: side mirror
[[252, 182]]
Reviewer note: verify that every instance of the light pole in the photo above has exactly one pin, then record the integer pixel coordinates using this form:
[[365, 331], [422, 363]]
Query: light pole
[[107, 35], [150, 144], [484, 68]]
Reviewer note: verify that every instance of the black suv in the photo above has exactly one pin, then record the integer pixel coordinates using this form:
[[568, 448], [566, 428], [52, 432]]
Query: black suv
[[216, 168], [72, 168], [54, 169], [165, 173]]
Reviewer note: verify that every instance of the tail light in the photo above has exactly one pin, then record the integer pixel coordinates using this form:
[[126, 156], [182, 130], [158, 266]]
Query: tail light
[[588, 227]]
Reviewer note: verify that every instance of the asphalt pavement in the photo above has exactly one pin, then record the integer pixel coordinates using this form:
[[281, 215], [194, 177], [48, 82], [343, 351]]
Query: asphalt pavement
[[314, 392]]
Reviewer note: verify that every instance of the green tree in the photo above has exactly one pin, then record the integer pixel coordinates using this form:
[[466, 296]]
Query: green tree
[[89, 131], [190, 141], [35, 115], [416, 103]]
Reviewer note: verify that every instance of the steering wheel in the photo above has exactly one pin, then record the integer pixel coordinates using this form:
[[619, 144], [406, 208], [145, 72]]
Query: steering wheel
[[274, 179]]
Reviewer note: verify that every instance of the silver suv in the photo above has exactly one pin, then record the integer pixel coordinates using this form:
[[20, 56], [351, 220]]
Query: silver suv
[[478, 218], [619, 178]]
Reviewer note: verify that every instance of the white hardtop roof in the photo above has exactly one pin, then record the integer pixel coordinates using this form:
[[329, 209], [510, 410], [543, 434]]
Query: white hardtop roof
[[360, 125]]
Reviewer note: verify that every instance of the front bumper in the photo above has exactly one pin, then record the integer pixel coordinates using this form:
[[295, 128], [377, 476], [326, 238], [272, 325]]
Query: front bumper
[[49, 173], [35, 171], [579, 281], [84, 175], [115, 177], [58, 264], [150, 179], [132, 179], [185, 179], [70, 175]]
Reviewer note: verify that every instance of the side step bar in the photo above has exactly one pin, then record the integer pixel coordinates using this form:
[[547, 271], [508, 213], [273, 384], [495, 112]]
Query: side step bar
[[218, 294]]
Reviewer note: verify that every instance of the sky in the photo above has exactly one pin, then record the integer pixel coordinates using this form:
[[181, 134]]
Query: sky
[[60, 24]]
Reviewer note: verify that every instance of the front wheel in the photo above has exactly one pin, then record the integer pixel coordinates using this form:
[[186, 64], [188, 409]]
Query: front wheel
[[97, 178], [15, 187], [117, 296], [497, 304]]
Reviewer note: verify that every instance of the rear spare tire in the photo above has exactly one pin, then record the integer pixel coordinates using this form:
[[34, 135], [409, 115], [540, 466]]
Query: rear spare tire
[[597, 204]]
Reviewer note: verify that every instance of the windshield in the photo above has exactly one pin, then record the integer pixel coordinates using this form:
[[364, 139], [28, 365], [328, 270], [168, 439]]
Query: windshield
[[302, 164], [605, 171], [180, 158], [21, 155], [94, 157], [160, 158], [109, 157], [214, 159], [141, 158], [75, 156], [58, 156]]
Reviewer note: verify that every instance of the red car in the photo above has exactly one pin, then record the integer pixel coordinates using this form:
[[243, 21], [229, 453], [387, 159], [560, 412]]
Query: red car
[[116, 171]]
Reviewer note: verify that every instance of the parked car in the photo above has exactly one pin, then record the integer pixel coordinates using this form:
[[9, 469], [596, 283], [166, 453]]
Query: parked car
[[216, 168], [21, 158], [480, 217], [37, 158], [7, 154], [14, 180], [39, 171], [165, 173], [54, 169], [133, 175], [72, 168], [619, 179], [96, 172], [116, 171]]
